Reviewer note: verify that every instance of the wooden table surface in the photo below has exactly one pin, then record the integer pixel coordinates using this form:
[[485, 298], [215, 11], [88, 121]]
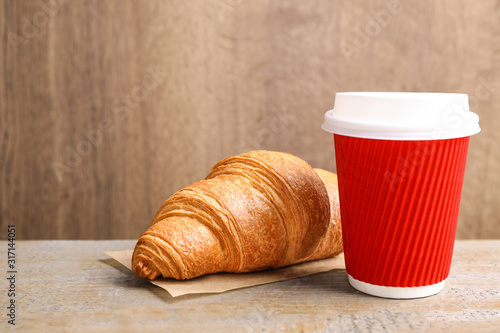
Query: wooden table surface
[[73, 286]]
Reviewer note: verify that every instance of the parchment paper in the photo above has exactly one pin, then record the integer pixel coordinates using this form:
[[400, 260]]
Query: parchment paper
[[220, 282]]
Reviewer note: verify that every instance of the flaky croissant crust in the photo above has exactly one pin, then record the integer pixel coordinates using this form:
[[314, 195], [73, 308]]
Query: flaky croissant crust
[[253, 211]]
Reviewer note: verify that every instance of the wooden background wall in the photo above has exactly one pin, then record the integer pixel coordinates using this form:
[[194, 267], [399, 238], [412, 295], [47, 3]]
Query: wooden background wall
[[109, 107]]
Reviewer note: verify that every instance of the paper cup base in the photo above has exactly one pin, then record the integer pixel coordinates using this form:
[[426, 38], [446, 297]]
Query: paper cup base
[[396, 292]]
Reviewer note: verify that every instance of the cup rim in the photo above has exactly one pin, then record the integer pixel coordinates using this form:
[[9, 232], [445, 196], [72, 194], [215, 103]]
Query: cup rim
[[401, 115]]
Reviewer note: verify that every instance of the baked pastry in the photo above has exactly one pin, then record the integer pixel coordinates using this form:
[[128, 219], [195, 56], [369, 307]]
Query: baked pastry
[[331, 243], [254, 211]]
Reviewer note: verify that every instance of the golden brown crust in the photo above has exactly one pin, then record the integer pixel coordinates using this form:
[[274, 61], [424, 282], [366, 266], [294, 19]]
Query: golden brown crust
[[253, 211], [331, 243]]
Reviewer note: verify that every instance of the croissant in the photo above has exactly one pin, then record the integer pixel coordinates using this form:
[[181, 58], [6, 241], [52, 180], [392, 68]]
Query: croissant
[[253, 211]]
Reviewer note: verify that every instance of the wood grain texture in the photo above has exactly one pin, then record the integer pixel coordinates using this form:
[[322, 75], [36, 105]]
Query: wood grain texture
[[72, 286], [108, 107]]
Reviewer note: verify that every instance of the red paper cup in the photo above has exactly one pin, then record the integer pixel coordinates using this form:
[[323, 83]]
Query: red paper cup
[[399, 189]]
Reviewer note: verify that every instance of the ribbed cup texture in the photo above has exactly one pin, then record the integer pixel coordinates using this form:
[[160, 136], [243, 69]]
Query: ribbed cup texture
[[399, 203]]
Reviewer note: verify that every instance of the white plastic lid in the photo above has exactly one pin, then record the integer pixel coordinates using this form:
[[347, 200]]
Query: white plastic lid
[[401, 116]]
